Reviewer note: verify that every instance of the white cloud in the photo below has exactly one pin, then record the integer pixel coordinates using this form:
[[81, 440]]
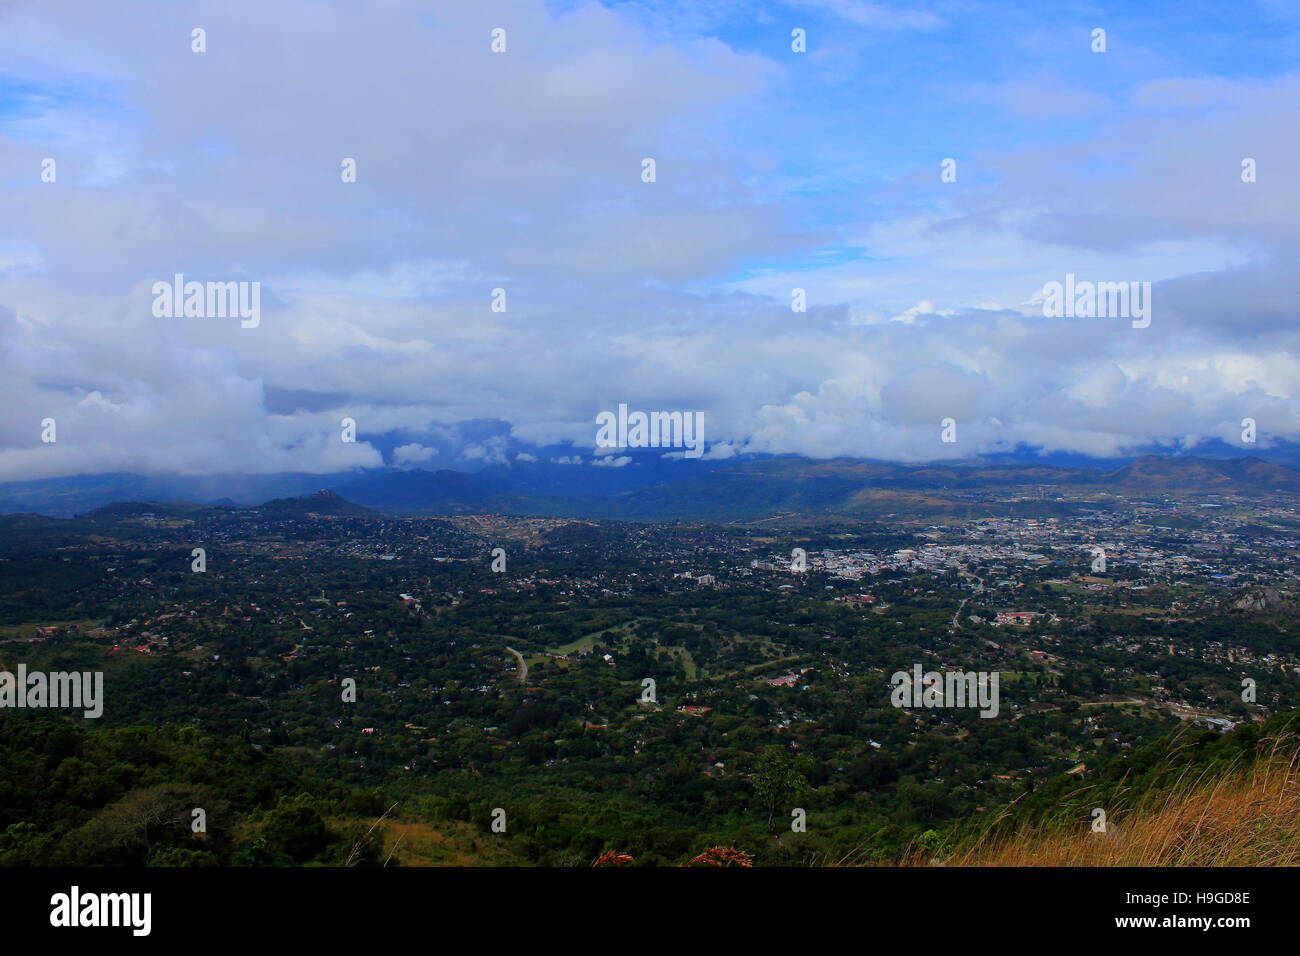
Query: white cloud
[[406, 454], [491, 452], [377, 294]]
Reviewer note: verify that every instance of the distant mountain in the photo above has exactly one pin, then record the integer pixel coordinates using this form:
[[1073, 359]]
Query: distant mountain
[[1203, 475], [1261, 474], [868, 489], [323, 503], [421, 492], [78, 494], [393, 490], [141, 509], [745, 490], [654, 489], [535, 487]]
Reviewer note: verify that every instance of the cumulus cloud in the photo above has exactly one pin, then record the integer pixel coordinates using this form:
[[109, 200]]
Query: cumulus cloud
[[414, 452], [521, 172], [489, 452]]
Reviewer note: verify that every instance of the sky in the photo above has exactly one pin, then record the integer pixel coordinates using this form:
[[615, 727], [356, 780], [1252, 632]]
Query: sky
[[523, 170]]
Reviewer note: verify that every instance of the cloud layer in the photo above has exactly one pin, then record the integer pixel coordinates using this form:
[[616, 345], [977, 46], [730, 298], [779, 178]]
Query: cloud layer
[[522, 171]]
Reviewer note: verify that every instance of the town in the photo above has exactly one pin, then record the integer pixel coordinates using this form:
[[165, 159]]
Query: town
[[531, 675]]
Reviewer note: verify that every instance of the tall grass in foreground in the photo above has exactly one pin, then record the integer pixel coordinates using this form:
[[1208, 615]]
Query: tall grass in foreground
[[1237, 817]]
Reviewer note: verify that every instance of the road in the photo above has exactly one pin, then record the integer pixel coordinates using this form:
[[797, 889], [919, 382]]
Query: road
[[957, 613], [523, 667], [979, 587]]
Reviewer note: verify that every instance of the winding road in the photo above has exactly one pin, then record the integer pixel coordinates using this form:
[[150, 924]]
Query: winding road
[[523, 667]]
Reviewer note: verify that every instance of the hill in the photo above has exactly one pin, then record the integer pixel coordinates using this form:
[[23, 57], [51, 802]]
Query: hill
[[322, 504], [1195, 799], [1203, 476]]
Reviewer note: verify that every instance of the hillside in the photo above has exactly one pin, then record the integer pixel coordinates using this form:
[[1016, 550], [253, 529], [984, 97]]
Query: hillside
[[122, 797], [1195, 799], [1243, 819], [324, 503]]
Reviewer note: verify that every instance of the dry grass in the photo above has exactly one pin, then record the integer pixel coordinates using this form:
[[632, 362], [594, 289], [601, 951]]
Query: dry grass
[[444, 844], [1240, 818]]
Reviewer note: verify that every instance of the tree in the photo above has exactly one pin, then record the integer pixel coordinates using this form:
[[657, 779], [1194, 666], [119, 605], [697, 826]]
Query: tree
[[777, 782], [295, 829], [126, 832]]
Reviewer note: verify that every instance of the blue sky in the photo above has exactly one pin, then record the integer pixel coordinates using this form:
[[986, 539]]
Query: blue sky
[[775, 170]]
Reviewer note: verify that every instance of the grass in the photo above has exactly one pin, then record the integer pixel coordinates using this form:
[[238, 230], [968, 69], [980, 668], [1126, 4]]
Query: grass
[[587, 641], [450, 843], [455, 844], [1237, 818]]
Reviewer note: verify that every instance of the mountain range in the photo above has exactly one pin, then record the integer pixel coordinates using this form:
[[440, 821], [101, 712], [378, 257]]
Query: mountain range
[[652, 490]]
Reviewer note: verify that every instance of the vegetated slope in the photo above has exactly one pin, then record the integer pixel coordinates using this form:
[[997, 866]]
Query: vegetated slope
[[1196, 799], [72, 795]]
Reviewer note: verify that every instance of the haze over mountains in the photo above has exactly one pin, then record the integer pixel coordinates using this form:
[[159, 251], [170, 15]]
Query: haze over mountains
[[727, 490]]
